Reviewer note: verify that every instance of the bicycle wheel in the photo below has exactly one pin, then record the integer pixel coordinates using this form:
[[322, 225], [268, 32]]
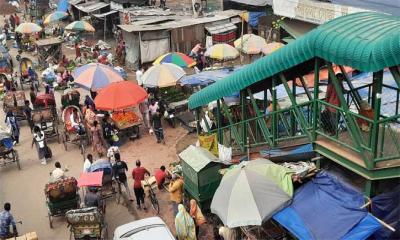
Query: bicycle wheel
[[154, 202]]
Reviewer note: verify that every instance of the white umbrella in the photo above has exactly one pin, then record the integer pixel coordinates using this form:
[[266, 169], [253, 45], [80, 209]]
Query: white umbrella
[[163, 75]]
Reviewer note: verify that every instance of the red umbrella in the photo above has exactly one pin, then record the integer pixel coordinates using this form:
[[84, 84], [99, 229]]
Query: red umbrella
[[119, 96]]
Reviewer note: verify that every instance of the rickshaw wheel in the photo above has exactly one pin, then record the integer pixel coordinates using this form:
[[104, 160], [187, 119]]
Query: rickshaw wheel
[[16, 158], [64, 139], [50, 221]]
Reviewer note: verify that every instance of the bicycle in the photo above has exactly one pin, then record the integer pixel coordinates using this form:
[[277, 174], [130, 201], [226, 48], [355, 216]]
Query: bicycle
[[152, 196]]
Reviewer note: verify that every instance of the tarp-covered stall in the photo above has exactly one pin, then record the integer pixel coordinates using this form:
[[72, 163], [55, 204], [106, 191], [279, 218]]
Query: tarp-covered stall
[[326, 208]]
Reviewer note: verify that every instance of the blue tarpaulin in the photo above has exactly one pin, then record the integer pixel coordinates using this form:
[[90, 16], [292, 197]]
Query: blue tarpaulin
[[326, 208], [207, 77], [386, 206], [253, 18], [62, 5]]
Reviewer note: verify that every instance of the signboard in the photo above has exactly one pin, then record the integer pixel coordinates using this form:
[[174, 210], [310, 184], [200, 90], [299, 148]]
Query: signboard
[[312, 11]]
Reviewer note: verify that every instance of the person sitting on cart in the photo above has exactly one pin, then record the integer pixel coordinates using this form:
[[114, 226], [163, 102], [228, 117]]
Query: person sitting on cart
[[57, 173], [76, 122], [12, 123], [120, 168], [7, 220], [92, 199]]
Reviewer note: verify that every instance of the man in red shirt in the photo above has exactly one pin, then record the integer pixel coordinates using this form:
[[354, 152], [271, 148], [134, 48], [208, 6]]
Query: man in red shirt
[[138, 176], [331, 116], [160, 175]]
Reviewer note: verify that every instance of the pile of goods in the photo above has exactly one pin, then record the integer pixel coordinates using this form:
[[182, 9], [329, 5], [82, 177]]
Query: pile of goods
[[125, 119], [62, 189], [44, 115], [26, 236], [85, 221], [14, 99]]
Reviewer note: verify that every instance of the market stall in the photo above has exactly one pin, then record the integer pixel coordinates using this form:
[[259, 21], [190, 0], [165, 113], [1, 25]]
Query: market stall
[[122, 99], [49, 50]]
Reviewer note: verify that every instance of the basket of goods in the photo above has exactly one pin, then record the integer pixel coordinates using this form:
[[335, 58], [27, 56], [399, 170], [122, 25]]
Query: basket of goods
[[125, 119], [62, 189]]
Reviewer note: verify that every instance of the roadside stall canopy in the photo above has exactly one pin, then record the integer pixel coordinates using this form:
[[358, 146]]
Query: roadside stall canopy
[[326, 208], [260, 3], [205, 78], [197, 157], [91, 6], [358, 40]]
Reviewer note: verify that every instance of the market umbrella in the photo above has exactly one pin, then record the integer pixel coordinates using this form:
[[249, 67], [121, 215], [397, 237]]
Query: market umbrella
[[95, 76], [271, 47], [120, 95], [176, 58], [55, 17], [250, 44], [28, 28], [163, 75], [261, 186], [80, 26], [222, 51]]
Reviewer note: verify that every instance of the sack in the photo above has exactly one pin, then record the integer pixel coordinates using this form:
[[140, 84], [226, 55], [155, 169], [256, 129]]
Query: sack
[[47, 152], [209, 142]]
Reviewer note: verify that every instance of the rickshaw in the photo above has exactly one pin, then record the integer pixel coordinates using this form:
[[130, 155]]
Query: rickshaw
[[61, 196], [44, 118], [24, 65], [108, 184], [15, 101], [87, 223], [47, 101], [8, 155], [71, 134]]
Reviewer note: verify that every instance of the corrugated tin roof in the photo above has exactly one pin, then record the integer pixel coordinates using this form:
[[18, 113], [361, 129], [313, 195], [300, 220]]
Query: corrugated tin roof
[[365, 41], [197, 157], [92, 6], [102, 15], [49, 41], [221, 28]]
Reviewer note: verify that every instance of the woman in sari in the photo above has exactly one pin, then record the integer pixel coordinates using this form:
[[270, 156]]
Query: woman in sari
[[184, 224], [97, 140], [197, 215]]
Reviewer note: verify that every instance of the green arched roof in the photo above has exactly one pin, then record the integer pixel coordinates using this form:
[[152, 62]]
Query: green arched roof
[[365, 41]]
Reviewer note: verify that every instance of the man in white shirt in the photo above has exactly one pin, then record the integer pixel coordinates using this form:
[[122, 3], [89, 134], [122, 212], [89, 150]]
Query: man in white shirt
[[88, 162], [139, 74], [57, 173]]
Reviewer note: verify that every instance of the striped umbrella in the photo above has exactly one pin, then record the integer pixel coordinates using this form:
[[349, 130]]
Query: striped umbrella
[[250, 44], [176, 58], [55, 17], [95, 76], [163, 75], [80, 26], [28, 28], [271, 47], [222, 51]]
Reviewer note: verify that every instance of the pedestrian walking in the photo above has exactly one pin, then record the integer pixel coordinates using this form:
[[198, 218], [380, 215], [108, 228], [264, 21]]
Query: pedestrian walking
[[97, 140], [184, 224], [28, 114], [175, 189], [39, 141], [12, 22], [157, 127], [120, 168], [138, 175], [12, 123], [197, 215], [144, 110]]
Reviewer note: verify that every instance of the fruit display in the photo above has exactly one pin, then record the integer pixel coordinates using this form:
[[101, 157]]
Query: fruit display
[[125, 119]]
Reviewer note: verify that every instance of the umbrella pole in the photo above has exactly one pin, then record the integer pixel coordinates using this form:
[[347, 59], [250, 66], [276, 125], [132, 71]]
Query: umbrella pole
[[241, 41]]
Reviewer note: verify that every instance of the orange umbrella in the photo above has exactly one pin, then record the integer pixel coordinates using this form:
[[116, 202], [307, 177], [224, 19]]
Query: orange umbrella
[[119, 96]]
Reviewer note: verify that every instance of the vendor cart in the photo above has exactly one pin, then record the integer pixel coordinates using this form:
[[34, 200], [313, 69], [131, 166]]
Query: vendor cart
[[45, 119], [70, 97], [15, 101], [87, 223], [49, 48], [127, 122], [61, 196]]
